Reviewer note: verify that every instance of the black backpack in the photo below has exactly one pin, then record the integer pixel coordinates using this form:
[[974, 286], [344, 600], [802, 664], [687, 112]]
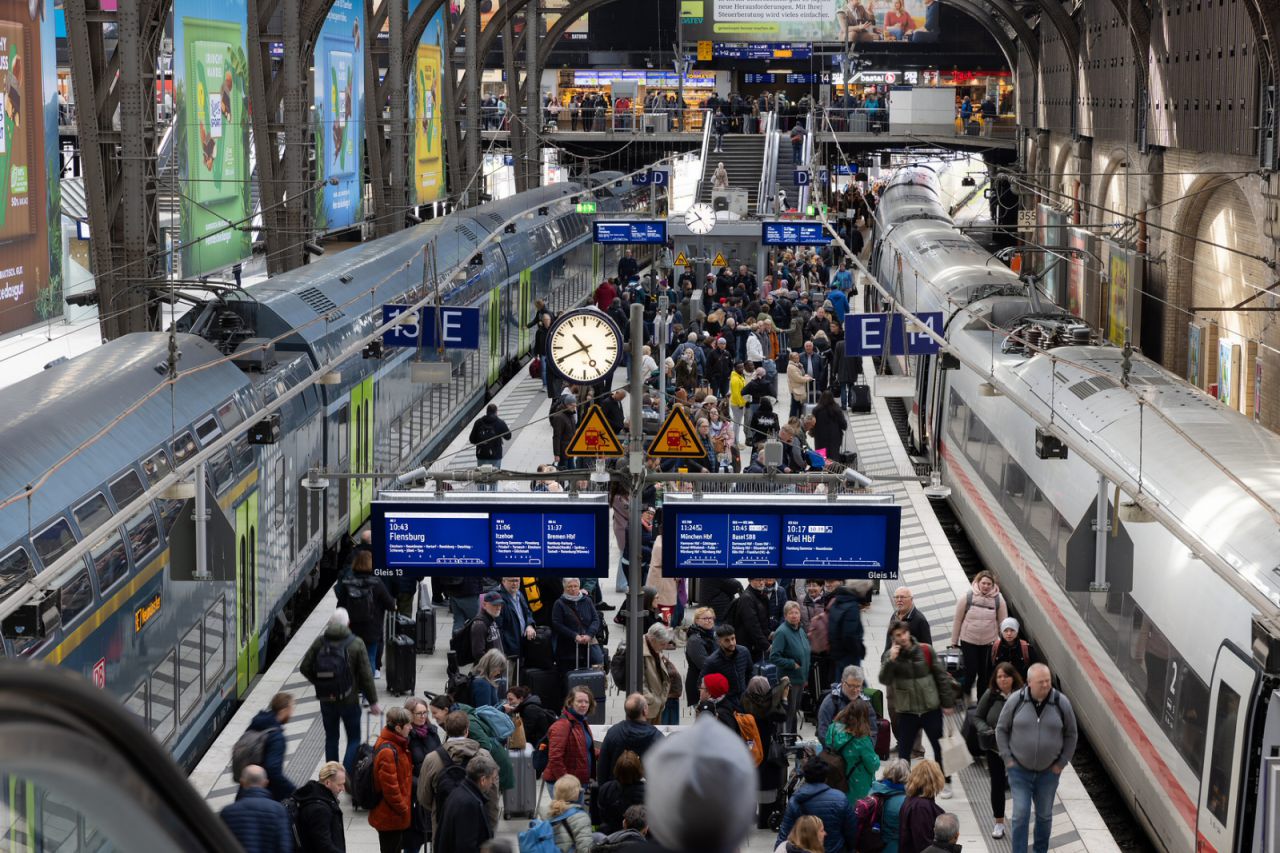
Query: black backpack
[[334, 679], [358, 598], [481, 433], [365, 792], [460, 642], [618, 667], [292, 807], [451, 776], [461, 688]]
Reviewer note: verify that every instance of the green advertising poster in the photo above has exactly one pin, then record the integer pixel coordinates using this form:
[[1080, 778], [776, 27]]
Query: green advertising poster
[[30, 251], [338, 117], [211, 72]]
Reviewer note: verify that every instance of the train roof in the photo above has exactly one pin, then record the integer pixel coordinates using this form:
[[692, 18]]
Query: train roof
[[48, 415], [911, 194], [950, 265]]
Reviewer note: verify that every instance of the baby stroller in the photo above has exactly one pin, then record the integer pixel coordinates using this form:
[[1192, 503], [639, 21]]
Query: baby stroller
[[797, 752]]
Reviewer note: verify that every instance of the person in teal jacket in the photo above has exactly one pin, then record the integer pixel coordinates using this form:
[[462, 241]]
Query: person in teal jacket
[[891, 788], [849, 736], [790, 653]]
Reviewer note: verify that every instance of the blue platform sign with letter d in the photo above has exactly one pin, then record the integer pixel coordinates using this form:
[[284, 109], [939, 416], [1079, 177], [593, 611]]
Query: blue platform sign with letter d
[[658, 177], [878, 334], [801, 177], [459, 327]]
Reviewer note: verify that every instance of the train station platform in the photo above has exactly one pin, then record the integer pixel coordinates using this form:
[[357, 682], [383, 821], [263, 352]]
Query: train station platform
[[928, 566]]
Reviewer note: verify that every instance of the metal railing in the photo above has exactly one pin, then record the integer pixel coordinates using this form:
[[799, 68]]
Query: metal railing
[[876, 121], [705, 149], [806, 156], [635, 120], [768, 170]]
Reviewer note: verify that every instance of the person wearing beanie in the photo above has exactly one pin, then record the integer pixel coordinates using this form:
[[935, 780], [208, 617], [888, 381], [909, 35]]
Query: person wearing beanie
[[815, 797], [1012, 649], [702, 791], [712, 702]]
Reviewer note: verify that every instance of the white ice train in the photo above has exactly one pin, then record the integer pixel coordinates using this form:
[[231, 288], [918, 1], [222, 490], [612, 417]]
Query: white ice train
[[1165, 630]]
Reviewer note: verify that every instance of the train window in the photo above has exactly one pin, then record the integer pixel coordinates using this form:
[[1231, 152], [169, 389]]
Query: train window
[[317, 508], [281, 485], [92, 514], [301, 529], [144, 538], [183, 446], [242, 451], [156, 466], [163, 700], [126, 489], [15, 568], [1148, 661], [1223, 755], [189, 672], [169, 511], [215, 635], [74, 596], [110, 562], [54, 541], [344, 417], [207, 430], [136, 704], [220, 471], [1193, 720], [229, 414]]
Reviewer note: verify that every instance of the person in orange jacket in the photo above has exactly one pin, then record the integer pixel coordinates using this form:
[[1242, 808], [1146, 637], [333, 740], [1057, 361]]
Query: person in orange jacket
[[393, 771]]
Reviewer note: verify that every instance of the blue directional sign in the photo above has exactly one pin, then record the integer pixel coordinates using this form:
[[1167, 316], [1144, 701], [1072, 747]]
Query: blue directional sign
[[543, 536], [803, 539], [800, 177], [660, 177], [508, 160], [459, 327], [877, 334], [847, 169], [793, 234], [824, 176], [653, 177], [646, 231]]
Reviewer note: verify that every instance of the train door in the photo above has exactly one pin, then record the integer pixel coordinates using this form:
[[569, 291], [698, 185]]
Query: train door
[[246, 592], [524, 312], [1227, 751], [360, 439], [495, 334]]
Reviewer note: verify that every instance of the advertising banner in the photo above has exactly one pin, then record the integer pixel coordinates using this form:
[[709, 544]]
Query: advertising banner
[[1082, 276], [425, 112], [338, 116], [1124, 286], [858, 21], [30, 251], [212, 75], [1195, 354], [551, 12]]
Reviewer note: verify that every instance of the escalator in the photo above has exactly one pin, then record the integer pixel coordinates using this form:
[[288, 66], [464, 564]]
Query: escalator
[[78, 773]]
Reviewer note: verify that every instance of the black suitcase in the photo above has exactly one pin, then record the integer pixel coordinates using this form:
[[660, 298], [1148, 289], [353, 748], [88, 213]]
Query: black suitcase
[[403, 626], [539, 652], [402, 666], [545, 684], [861, 399], [595, 680], [424, 629]]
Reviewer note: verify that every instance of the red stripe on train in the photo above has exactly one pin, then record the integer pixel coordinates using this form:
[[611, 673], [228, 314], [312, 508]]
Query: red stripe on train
[[1126, 719]]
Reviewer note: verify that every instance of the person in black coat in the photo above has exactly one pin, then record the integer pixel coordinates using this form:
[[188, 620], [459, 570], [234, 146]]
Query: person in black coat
[[320, 821], [829, 426], [731, 661], [623, 790], [752, 618], [575, 623], [634, 734], [464, 822], [611, 408], [272, 722], [259, 823], [700, 646], [367, 601], [718, 594], [844, 628], [423, 740]]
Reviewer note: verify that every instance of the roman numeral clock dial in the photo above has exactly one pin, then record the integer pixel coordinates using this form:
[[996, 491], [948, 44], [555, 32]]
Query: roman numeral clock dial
[[584, 346]]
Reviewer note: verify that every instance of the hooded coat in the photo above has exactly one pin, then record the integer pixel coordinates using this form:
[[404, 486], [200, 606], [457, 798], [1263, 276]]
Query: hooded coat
[[828, 805], [320, 820]]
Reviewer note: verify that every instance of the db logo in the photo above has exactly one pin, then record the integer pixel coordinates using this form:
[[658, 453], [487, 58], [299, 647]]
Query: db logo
[[890, 77], [100, 674]]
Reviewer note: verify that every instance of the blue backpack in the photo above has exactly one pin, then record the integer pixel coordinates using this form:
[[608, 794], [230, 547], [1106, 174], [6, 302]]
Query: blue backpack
[[499, 723], [540, 837]]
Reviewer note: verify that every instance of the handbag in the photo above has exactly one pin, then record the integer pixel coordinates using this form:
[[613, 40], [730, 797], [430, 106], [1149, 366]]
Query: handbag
[[518, 741]]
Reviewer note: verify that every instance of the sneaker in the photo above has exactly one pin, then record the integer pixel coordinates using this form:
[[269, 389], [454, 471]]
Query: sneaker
[[377, 675], [946, 793], [997, 831], [604, 605]]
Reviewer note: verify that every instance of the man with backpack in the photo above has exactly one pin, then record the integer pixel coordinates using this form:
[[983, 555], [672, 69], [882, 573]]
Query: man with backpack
[[487, 434], [318, 822], [1036, 736], [445, 768], [635, 733], [848, 691], [481, 633], [337, 664], [465, 824], [923, 691], [263, 744], [366, 601]]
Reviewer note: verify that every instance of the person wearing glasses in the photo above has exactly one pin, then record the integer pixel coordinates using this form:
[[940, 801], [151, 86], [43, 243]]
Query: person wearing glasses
[[424, 739]]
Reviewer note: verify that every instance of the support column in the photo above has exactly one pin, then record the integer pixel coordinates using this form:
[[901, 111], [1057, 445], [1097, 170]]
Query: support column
[[295, 219], [385, 133], [1084, 177], [516, 137], [455, 157], [533, 95], [472, 94], [401, 193]]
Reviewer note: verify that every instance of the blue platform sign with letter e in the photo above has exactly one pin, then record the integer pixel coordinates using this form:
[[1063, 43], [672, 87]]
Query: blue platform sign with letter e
[[877, 334], [793, 234], [644, 231], [459, 327]]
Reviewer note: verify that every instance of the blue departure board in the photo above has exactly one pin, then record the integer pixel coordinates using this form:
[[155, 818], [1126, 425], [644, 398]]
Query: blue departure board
[[818, 540], [528, 537], [793, 234], [648, 231]]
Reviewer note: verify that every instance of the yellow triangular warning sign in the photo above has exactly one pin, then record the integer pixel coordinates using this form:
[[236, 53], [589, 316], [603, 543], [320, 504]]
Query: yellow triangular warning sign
[[720, 261], [677, 438], [681, 260], [594, 437]]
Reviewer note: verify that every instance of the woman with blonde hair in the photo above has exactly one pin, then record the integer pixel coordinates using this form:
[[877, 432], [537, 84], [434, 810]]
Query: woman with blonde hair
[[919, 811], [572, 825], [807, 836]]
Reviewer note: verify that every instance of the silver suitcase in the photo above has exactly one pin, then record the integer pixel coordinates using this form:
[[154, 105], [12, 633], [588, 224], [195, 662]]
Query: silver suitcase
[[521, 799]]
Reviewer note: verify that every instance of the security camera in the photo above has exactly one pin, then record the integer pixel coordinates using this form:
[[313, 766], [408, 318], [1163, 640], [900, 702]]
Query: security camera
[[419, 473], [857, 478]]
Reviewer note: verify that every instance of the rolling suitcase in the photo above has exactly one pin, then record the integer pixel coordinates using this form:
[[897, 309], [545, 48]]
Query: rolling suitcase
[[520, 800], [861, 404], [594, 680], [769, 671], [425, 623], [400, 660], [545, 684], [538, 652]]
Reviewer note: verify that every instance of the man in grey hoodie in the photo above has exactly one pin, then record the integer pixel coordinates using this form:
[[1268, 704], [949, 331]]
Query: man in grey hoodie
[[1036, 735]]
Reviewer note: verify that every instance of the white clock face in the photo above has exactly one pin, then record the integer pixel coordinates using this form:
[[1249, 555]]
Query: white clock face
[[700, 218], [585, 346]]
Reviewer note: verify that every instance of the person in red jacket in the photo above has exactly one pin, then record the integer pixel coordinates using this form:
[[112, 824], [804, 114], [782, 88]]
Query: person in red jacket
[[393, 771], [604, 295], [570, 747]]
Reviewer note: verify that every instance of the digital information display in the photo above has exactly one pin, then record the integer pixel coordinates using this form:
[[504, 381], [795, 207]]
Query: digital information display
[[804, 539], [649, 231], [519, 536], [793, 234]]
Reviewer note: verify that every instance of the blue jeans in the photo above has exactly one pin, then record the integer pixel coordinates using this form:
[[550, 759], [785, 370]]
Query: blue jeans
[[331, 713], [374, 649], [1028, 787], [463, 607], [496, 463], [670, 713]]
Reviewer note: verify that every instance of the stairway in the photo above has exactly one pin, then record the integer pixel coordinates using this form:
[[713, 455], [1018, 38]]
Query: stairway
[[743, 159], [784, 172]]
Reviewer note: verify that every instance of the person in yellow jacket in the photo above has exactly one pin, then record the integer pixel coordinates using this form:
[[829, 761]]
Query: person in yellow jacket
[[737, 404]]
